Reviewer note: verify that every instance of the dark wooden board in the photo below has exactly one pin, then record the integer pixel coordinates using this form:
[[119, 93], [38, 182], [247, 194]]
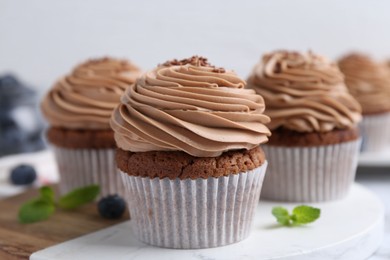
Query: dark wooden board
[[19, 241]]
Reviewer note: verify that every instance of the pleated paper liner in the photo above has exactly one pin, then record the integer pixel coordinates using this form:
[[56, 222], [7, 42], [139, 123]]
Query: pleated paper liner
[[189, 214], [375, 130], [82, 167], [310, 174]]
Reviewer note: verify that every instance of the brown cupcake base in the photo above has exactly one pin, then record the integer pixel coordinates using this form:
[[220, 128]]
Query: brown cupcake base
[[177, 164], [289, 138], [81, 139], [375, 112]]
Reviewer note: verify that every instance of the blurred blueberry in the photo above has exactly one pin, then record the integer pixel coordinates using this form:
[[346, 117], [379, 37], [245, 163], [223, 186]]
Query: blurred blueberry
[[111, 207], [23, 175]]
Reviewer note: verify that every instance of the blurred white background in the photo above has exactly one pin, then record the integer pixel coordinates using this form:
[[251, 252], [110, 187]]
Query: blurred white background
[[43, 39]]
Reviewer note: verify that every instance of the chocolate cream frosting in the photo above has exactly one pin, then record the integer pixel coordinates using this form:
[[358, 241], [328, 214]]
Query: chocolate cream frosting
[[85, 98], [304, 93], [189, 106], [368, 81]]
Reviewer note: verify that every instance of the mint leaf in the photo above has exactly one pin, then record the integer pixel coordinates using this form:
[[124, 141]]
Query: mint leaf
[[47, 194], [79, 197], [44, 206], [282, 216], [36, 210], [301, 215], [305, 214]]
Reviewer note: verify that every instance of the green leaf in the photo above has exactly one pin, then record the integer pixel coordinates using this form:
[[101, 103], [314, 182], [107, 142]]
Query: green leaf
[[79, 197], [36, 210], [305, 214], [47, 194], [282, 216]]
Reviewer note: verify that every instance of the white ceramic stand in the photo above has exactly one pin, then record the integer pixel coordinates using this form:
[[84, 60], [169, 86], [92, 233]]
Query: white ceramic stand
[[349, 229]]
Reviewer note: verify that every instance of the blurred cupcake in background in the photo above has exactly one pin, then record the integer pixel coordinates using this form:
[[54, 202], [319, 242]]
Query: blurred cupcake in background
[[20, 125], [188, 135], [369, 82], [314, 146], [78, 109]]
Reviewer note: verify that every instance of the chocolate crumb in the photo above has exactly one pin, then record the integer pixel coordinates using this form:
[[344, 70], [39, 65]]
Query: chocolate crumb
[[194, 60], [219, 70]]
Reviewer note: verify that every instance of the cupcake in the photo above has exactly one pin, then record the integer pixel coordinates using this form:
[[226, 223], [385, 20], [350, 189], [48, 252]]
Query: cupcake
[[369, 82], [313, 150], [188, 137], [18, 102], [78, 109]]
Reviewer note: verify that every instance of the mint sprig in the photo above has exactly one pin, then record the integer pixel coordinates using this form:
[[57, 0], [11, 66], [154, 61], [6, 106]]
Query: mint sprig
[[301, 215], [79, 197], [44, 205], [47, 193], [36, 210]]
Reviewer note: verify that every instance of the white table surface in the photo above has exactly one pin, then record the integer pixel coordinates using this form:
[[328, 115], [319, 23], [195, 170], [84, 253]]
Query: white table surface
[[378, 181]]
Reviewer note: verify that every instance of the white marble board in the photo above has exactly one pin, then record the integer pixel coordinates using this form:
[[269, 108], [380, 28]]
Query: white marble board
[[349, 229]]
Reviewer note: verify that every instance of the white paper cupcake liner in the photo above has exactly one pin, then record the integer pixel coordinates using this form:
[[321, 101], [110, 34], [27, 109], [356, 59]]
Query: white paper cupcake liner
[[82, 167], [189, 214], [375, 130], [310, 174]]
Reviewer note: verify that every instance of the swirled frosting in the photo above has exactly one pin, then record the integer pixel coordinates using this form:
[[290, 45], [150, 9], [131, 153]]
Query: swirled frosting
[[368, 81], [85, 98], [189, 106], [304, 93]]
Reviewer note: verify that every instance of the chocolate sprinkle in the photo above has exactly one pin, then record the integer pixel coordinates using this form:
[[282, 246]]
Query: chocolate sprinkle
[[194, 60]]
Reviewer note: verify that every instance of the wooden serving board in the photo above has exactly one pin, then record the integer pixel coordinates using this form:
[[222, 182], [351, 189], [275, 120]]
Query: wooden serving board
[[19, 241]]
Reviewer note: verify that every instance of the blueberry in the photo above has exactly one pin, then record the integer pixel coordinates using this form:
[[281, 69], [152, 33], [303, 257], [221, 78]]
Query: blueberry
[[23, 175], [111, 207]]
